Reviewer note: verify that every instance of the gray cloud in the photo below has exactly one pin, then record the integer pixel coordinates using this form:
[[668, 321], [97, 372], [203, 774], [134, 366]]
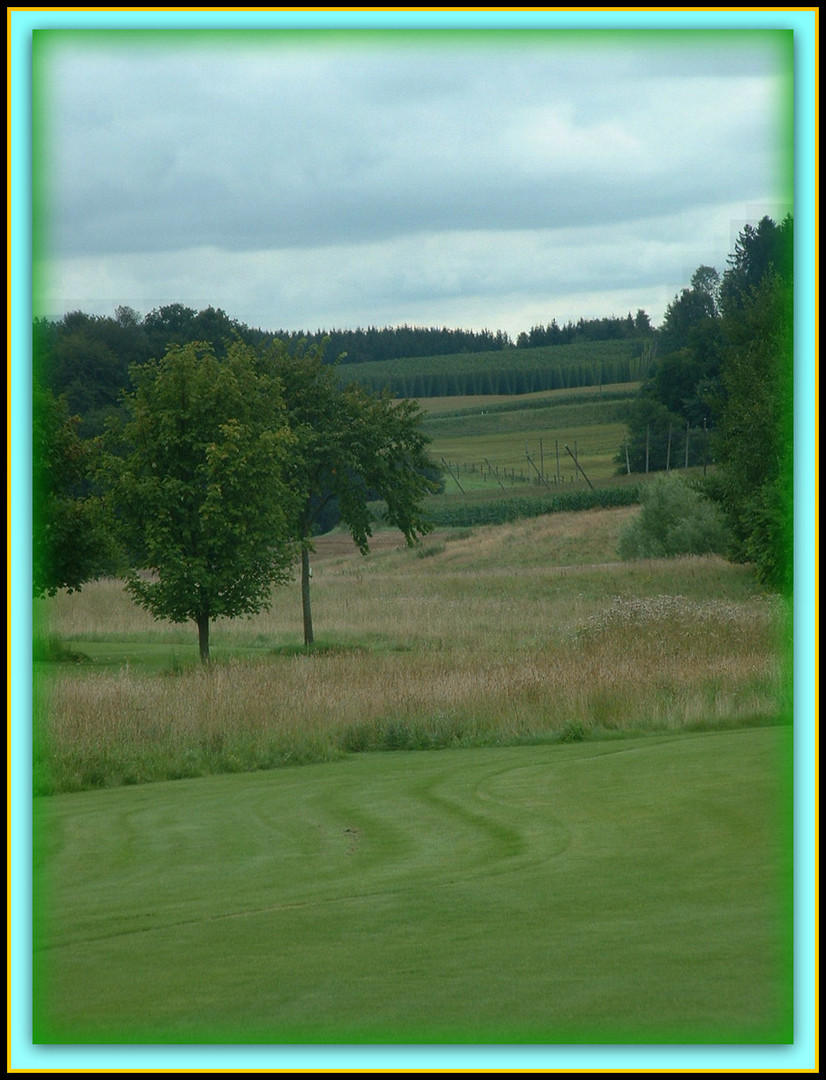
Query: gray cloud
[[439, 168]]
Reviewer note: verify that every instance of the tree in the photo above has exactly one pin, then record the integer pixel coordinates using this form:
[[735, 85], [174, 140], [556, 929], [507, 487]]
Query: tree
[[649, 424], [69, 541], [352, 448], [198, 489], [683, 385], [755, 442], [758, 251]]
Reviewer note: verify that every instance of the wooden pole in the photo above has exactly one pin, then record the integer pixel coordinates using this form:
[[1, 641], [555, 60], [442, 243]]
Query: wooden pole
[[455, 477], [538, 473], [576, 462], [496, 474]]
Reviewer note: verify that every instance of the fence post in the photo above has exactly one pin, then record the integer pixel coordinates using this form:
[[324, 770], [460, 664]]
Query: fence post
[[496, 474], [686, 443], [647, 444], [539, 474]]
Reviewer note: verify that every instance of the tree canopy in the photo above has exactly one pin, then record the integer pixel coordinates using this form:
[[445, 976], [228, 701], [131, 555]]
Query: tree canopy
[[198, 486], [69, 541]]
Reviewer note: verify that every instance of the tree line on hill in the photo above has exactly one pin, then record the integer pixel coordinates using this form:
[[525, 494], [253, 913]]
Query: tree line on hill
[[87, 358]]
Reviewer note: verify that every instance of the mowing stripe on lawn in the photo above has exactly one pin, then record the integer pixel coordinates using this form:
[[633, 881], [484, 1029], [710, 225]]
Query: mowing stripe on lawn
[[629, 891]]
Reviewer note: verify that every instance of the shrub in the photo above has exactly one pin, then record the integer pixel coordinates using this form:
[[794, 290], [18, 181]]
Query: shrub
[[675, 520]]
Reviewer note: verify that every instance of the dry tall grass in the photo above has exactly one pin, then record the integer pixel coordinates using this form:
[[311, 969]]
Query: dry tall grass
[[500, 636]]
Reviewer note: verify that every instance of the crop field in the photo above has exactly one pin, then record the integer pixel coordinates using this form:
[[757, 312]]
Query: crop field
[[521, 441], [506, 371]]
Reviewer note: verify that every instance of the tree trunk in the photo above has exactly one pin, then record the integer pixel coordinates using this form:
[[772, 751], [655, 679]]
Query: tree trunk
[[305, 594], [203, 637]]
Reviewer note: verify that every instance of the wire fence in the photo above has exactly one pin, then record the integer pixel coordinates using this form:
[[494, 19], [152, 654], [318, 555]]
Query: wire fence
[[552, 463]]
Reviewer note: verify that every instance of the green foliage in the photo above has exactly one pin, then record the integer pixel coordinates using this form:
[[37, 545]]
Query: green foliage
[[351, 448], [197, 488], [756, 437], [70, 544], [675, 520], [760, 251], [466, 513], [726, 358], [653, 435]]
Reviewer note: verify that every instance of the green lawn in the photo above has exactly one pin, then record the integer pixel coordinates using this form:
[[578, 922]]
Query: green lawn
[[629, 890]]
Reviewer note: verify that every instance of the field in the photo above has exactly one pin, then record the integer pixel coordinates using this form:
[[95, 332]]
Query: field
[[527, 631], [510, 371], [507, 443], [596, 848]]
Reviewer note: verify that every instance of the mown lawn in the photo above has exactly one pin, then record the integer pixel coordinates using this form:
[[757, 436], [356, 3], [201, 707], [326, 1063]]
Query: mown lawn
[[629, 890]]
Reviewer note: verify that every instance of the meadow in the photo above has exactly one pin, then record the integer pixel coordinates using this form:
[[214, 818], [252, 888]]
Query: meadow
[[525, 632]]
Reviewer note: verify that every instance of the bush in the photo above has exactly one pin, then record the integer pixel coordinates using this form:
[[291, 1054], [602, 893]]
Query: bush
[[675, 520]]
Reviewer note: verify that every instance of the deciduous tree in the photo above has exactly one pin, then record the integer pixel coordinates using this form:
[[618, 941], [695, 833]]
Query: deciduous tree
[[198, 486], [352, 448], [69, 541]]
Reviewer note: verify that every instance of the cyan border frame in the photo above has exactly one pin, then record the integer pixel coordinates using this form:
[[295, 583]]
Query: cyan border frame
[[802, 1055]]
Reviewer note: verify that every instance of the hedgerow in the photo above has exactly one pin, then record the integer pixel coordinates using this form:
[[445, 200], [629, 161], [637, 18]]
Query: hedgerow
[[467, 513]]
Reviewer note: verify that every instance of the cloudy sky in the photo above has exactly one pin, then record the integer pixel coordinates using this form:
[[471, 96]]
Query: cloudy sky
[[317, 181]]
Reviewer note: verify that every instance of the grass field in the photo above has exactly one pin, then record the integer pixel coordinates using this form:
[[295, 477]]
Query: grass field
[[524, 632], [626, 891]]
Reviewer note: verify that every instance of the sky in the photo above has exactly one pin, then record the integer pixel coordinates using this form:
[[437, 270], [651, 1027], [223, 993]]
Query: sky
[[485, 180]]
